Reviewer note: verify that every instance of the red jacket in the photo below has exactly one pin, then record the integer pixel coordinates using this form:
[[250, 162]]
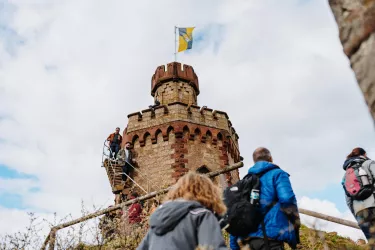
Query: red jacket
[[112, 136], [135, 211]]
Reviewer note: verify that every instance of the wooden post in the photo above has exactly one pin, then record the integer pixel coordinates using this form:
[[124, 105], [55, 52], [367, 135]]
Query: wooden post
[[329, 218], [52, 239], [45, 243]]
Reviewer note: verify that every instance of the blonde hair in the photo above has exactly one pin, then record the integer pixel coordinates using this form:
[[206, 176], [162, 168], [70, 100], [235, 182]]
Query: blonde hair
[[197, 187]]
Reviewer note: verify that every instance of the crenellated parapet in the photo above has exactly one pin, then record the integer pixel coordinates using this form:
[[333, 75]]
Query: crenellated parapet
[[177, 111], [189, 131], [174, 72]]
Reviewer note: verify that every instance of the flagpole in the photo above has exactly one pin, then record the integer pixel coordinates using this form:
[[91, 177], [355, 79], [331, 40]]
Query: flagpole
[[175, 44]]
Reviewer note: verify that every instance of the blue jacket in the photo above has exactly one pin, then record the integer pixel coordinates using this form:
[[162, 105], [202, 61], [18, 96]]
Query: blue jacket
[[275, 187]]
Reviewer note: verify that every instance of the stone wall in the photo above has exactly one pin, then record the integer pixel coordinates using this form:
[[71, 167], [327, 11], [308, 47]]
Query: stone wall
[[161, 160], [154, 161], [171, 92], [356, 22]]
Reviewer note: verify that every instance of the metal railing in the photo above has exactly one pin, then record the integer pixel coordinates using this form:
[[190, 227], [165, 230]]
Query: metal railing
[[112, 160]]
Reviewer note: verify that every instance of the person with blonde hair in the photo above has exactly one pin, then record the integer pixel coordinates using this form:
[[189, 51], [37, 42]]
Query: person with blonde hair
[[186, 220]]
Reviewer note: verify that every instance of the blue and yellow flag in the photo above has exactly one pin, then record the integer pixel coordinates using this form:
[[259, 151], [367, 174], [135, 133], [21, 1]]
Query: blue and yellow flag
[[185, 38]]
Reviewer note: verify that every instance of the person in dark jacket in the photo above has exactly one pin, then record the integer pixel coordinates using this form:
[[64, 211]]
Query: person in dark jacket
[[125, 158], [186, 220], [115, 140], [363, 210], [278, 204]]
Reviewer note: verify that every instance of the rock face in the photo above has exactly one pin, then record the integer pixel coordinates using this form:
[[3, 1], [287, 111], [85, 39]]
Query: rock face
[[356, 22]]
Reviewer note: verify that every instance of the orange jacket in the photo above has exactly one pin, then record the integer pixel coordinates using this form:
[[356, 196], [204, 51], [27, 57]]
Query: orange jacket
[[112, 136]]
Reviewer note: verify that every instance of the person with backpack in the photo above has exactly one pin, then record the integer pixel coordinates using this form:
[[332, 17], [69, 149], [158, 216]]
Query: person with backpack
[[358, 184], [186, 220], [262, 208]]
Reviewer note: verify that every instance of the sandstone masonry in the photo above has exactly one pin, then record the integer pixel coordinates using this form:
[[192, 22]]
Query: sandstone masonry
[[178, 136]]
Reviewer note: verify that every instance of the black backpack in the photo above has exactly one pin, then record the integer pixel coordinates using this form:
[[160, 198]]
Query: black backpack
[[242, 217]]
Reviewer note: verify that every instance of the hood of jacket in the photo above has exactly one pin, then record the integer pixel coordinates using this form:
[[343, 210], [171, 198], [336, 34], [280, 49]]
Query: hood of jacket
[[352, 160], [260, 167], [167, 216]]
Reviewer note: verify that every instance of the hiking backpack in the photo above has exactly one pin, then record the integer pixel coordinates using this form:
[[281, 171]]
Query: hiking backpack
[[353, 184], [242, 217]]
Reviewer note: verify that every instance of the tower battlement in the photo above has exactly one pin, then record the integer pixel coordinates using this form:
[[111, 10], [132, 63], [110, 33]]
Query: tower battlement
[[174, 72], [178, 111]]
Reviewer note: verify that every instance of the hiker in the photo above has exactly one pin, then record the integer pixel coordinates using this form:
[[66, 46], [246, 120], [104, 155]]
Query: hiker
[[186, 219], [358, 184], [277, 206], [135, 210], [125, 159], [115, 140]]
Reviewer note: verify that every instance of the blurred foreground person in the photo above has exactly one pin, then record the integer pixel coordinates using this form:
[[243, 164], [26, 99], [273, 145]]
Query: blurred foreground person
[[358, 183], [186, 220]]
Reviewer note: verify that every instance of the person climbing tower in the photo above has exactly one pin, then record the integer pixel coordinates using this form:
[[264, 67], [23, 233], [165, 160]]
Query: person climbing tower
[[115, 140]]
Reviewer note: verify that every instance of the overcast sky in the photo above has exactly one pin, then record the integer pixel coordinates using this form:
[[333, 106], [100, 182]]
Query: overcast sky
[[71, 71]]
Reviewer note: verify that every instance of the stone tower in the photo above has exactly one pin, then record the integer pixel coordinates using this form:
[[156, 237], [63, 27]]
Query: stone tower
[[178, 135]]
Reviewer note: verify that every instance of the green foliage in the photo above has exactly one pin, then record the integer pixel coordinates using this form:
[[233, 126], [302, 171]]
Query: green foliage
[[319, 240], [310, 239]]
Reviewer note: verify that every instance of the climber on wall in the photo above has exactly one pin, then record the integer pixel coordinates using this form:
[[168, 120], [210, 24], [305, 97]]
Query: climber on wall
[[125, 159], [115, 140]]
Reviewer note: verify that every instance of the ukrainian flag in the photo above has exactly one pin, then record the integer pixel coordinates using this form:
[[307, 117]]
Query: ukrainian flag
[[185, 38]]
